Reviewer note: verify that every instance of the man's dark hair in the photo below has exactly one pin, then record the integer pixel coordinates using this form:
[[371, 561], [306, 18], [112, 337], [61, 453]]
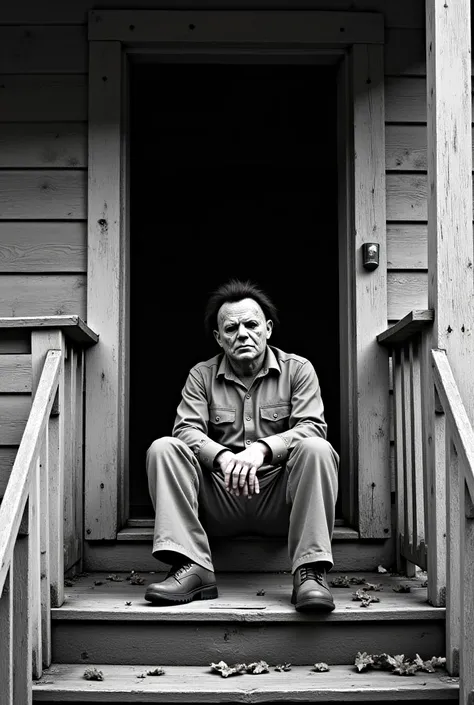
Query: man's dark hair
[[236, 290]]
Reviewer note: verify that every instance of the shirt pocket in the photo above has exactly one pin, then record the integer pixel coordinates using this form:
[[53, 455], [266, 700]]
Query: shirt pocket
[[222, 425], [274, 418]]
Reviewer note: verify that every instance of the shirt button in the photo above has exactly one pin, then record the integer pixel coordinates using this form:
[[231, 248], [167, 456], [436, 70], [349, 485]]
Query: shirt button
[[275, 416], [248, 442], [218, 418], [279, 455], [249, 418]]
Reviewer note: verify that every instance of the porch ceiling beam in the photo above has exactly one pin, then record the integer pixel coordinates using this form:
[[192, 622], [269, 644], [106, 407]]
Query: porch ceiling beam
[[236, 26]]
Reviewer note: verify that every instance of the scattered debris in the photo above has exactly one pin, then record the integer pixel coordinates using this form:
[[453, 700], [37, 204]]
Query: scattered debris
[[68, 582], [141, 675], [382, 661], [260, 593], [114, 578], [425, 584], [401, 588], [128, 603], [364, 598], [320, 667], [258, 667], [363, 661], [156, 672], [236, 670], [92, 674], [98, 582], [403, 666], [283, 667], [381, 569], [44, 682], [376, 587], [346, 581], [136, 580]]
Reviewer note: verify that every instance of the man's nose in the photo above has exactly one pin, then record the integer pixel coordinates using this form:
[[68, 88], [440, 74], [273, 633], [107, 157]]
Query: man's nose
[[242, 331]]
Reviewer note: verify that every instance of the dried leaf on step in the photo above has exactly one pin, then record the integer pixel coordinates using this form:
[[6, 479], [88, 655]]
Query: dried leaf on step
[[320, 667], [128, 603], [438, 661], [381, 569], [341, 581], [156, 672], [356, 580], [383, 661], [401, 588], [137, 580], [98, 582], [68, 583], [260, 593], [283, 667], [402, 666], [114, 578], [363, 660], [92, 674], [430, 665], [258, 667], [367, 601], [236, 670], [141, 675], [376, 587]]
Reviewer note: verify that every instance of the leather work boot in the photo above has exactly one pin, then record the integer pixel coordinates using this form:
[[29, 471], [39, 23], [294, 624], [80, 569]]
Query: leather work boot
[[310, 589], [183, 584]]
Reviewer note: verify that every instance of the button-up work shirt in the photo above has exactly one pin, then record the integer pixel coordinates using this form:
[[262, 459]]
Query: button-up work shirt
[[218, 412]]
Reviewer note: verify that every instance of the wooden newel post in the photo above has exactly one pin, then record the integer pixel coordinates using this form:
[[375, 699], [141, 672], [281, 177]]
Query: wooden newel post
[[450, 243]]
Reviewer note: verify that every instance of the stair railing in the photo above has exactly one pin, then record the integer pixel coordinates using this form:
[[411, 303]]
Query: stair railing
[[434, 484], [24, 548]]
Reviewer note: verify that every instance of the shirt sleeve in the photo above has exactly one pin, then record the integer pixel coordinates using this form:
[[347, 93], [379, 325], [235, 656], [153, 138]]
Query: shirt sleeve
[[306, 416], [192, 418]]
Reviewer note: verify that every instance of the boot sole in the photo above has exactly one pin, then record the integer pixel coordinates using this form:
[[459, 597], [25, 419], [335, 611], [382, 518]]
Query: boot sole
[[207, 593], [313, 605]]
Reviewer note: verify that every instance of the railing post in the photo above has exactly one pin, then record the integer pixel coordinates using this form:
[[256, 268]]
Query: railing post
[[467, 596], [453, 572], [6, 640], [45, 554], [22, 691], [41, 342]]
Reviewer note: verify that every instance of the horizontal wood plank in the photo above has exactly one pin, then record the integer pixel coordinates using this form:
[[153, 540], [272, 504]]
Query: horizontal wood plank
[[44, 49], [43, 195], [43, 295], [405, 53], [405, 148], [407, 197], [407, 246], [182, 684], [405, 99], [15, 342], [14, 410], [43, 98], [72, 326], [412, 323], [15, 373], [43, 247], [7, 457], [43, 145], [406, 291]]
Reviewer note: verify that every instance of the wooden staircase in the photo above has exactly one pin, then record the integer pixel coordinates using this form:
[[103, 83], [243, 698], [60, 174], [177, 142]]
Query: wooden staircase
[[107, 623]]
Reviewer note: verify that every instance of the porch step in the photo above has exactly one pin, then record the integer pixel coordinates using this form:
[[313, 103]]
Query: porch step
[[65, 683], [97, 625], [244, 554]]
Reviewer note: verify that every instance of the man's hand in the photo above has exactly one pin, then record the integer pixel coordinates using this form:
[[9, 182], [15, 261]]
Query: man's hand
[[240, 469]]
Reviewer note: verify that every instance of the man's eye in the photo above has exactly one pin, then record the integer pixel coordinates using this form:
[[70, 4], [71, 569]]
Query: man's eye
[[252, 324]]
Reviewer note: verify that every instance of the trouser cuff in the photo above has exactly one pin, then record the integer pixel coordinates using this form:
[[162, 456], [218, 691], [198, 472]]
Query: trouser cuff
[[313, 557], [160, 546]]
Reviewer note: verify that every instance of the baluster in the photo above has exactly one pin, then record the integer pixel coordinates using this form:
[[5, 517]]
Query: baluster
[[44, 547], [453, 568], [417, 452], [467, 595], [407, 459], [22, 691], [79, 454], [69, 409], [399, 463], [35, 570], [6, 640]]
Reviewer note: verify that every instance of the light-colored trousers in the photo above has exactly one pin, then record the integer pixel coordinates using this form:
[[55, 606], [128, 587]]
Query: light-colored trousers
[[191, 503]]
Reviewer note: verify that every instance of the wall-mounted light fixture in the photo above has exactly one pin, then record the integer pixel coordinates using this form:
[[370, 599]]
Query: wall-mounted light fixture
[[370, 255]]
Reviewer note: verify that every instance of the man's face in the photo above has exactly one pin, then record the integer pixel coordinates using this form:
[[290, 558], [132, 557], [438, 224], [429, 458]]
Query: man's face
[[242, 330]]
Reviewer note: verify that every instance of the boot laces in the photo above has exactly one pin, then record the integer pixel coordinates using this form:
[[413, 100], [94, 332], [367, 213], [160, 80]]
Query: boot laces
[[178, 570], [307, 572]]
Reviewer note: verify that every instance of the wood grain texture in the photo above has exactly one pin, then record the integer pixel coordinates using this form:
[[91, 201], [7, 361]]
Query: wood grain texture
[[405, 53], [411, 324], [6, 644], [43, 145], [104, 442], [7, 457], [404, 13], [405, 99], [406, 148], [43, 98], [407, 246], [370, 296], [43, 195], [26, 50], [407, 291], [236, 28], [38, 247], [15, 374], [197, 685], [145, 533], [42, 295], [467, 596], [15, 342], [407, 197], [73, 327], [14, 410], [21, 641], [453, 556]]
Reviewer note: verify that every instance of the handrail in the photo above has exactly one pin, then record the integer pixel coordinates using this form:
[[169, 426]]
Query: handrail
[[406, 328], [455, 412], [16, 493]]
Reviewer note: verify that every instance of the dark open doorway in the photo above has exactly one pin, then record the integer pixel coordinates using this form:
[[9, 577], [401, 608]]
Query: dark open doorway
[[233, 173]]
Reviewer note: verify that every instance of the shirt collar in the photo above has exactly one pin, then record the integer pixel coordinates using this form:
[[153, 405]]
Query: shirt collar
[[270, 363]]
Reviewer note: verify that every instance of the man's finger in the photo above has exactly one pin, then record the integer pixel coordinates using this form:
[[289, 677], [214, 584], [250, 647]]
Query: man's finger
[[251, 479], [235, 475], [257, 485], [243, 477], [228, 473], [245, 490]]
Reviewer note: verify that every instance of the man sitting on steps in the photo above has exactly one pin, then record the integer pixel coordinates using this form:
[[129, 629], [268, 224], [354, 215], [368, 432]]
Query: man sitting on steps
[[250, 426]]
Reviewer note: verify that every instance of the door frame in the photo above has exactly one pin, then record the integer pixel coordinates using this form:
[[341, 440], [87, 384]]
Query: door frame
[[353, 40]]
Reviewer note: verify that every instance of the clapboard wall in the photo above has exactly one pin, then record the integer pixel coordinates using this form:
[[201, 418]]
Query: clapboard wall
[[43, 162]]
